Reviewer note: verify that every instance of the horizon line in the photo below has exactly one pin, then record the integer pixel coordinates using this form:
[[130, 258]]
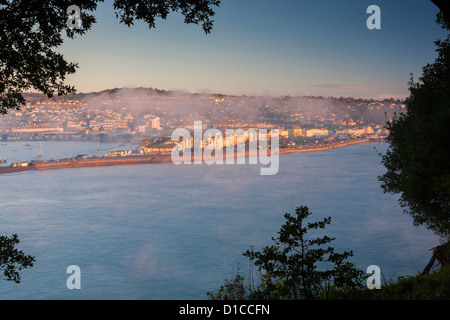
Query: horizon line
[[378, 98]]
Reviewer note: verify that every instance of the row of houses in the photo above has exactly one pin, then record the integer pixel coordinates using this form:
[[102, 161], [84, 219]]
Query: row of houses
[[324, 132], [211, 140]]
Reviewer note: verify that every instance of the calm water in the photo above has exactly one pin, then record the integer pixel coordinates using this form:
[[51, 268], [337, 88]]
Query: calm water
[[162, 231]]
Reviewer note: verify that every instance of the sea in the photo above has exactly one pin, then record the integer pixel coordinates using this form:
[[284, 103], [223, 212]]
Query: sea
[[175, 232]]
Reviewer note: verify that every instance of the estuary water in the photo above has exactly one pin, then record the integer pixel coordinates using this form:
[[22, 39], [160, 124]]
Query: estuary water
[[161, 231]]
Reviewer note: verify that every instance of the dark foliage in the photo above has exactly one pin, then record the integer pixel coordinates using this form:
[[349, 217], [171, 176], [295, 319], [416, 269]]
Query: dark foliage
[[418, 158], [31, 30]]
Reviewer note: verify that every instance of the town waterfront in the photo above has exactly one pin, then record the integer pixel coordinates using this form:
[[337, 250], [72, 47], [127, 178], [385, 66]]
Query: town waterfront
[[161, 231]]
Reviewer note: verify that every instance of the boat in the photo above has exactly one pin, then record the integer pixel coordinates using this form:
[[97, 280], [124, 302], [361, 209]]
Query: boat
[[40, 156]]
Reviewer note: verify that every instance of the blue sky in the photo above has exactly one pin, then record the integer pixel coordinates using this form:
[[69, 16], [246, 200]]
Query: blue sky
[[263, 47]]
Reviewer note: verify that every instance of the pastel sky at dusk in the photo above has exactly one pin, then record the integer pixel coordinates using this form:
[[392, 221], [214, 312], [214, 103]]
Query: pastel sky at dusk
[[263, 47]]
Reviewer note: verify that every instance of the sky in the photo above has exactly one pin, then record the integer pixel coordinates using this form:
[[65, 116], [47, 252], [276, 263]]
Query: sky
[[263, 48]]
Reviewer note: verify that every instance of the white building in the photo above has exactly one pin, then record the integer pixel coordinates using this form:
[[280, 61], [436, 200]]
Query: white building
[[316, 132]]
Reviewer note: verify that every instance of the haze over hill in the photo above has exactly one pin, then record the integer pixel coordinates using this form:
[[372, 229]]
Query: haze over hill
[[250, 109]]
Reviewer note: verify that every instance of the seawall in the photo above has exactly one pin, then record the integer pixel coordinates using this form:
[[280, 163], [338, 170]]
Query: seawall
[[142, 159]]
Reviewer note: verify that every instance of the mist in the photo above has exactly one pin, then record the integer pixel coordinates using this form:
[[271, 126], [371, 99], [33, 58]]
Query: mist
[[183, 108]]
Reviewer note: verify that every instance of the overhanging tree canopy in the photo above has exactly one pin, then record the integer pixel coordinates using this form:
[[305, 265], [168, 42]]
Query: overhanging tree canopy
[[31, 30]]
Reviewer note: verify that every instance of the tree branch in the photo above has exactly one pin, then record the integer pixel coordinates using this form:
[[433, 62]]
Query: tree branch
[[443, 6]]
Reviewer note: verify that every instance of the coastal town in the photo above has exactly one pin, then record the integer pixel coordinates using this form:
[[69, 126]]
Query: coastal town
[[148, 117]]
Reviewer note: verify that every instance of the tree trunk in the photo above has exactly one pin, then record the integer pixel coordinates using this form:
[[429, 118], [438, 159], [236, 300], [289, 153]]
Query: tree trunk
[[440, 254]]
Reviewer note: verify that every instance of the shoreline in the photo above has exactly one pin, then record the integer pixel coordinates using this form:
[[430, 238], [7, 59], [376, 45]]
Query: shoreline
[[148, 159], [325, 148]]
